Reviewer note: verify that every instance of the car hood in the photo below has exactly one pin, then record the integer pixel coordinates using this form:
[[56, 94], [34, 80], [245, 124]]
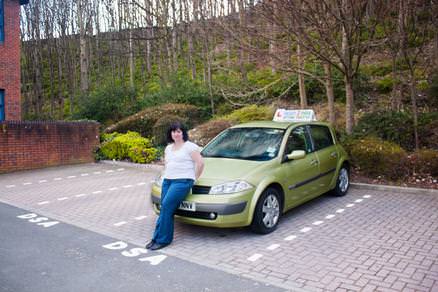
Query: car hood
[[219, 170]]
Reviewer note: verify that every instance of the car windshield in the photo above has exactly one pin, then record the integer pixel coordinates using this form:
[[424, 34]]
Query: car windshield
[[259, 144]]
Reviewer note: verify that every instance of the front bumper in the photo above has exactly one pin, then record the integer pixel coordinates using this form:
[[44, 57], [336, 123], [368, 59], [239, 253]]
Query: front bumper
[[222, 211]]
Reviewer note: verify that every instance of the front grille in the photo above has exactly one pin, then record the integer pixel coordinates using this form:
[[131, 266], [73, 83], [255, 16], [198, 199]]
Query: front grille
[[197, 214], [200, 190]]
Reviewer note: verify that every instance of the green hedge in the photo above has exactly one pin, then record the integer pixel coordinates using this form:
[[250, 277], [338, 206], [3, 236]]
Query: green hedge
[[375, 157], [143, 122], [131, 146]]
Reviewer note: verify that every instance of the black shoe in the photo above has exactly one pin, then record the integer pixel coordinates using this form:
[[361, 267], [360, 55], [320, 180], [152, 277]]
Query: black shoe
[[157, 245], [150, 244]]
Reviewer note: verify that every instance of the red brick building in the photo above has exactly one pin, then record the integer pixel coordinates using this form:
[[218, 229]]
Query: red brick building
[[10, 101]]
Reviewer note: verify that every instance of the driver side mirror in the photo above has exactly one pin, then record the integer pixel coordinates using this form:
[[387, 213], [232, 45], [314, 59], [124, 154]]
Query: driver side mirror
[[296, 154]]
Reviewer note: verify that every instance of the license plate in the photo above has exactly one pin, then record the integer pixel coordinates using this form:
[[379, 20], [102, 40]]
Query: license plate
[[187, 206]]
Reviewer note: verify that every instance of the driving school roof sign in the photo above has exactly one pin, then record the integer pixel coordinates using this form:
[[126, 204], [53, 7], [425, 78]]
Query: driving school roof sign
[[283, 115]]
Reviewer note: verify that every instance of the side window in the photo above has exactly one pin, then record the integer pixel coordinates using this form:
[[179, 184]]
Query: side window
[[322, 137], [297, 140], [2, 21], [2, 104]]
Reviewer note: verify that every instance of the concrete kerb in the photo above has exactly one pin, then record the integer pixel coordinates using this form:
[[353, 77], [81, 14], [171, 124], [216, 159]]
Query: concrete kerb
[[360, 186], [395, 189], [155, 167]]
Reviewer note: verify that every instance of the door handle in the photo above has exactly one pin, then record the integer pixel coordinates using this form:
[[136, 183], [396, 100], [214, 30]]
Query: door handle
[[314, 162], [333, 154]]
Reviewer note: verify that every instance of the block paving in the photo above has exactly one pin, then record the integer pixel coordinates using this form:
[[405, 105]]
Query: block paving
[[376, 240]]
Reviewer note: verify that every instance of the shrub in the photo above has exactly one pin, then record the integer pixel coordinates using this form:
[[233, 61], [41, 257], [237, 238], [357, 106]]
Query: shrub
[[202, 134], [144, 121], [250, 113], [130, 146], [108, 104], [385, 84], [375, 157], [393, 126], [424, 163], [160, 128]]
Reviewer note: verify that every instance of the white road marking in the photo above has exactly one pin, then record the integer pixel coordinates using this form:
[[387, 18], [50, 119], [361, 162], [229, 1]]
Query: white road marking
[[141, 184], [120, 223], [97, 172], [290, 237], [42, 181], [254, 257], [97, 192], [273, 246], [10, 186], [340, 210], [84, 174], [80, 195], [113, 189], [127, 186], [140, 217], [120, 169], [349, 205], [71, 176], [154, 260], [317, 223], [108, 171], [306, 229], [57, 178], [44, 203], [27, 183], [330, 216], [367, 196], [62, 199], [358, 200]]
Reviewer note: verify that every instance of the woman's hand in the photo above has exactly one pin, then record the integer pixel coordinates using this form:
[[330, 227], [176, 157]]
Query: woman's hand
[[199, 163]]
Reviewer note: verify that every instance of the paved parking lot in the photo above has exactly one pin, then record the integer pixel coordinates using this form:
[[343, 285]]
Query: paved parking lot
[[365, 241]]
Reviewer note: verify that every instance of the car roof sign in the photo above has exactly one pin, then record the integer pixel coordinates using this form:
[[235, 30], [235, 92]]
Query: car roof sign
[[283, 115]]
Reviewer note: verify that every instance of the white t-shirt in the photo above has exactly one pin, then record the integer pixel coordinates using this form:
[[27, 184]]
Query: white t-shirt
[[179, 163]]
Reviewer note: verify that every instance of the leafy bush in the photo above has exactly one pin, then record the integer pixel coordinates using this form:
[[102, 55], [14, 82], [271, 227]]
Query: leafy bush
[[375, 157], [160, 128], [250, 113], [393, 126], [385, 84], [130, 146], [424, 163], [144, 121], [108, 104], [398, 127], [202, 134]]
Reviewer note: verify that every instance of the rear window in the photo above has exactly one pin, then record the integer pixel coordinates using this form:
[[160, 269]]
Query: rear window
[[322, 137]]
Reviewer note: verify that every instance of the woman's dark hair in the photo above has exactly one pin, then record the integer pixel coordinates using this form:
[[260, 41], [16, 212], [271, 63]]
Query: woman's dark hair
[[177, 126]]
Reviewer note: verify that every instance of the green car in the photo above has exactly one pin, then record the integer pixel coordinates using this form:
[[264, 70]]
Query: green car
[[254, 172]]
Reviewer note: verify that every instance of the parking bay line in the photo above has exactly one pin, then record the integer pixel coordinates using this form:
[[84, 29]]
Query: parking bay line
[[255, 257], [44, 203], [120, 223], [141, 217]]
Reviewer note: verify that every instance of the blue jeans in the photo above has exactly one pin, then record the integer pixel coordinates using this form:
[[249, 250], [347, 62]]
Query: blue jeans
[[173, 192]]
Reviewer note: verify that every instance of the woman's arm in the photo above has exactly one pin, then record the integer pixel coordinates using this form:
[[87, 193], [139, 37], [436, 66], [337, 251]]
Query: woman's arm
[[199, 163]]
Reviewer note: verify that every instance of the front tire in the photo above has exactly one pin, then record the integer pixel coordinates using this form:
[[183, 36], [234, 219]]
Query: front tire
[[267, 212], [342, 183]]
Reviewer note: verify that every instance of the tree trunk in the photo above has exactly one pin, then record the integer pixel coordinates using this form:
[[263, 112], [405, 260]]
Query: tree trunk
[[131, 61], [330, 93], [83, 48], [302, 86], [349, 108], [413, 92]]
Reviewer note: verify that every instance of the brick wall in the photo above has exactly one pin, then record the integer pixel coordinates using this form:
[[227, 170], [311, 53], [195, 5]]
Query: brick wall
[[10, 60], [28, 145]]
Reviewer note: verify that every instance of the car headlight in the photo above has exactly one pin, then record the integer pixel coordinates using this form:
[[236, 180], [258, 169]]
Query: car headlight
[[159, 180], [230, 187]]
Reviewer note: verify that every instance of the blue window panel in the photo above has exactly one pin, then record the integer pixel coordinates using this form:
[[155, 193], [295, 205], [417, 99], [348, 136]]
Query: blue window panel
[[2, 105], [2, 22]]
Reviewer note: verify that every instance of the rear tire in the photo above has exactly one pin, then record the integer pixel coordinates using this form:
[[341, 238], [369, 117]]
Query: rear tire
[[267, 212], [342, 182]]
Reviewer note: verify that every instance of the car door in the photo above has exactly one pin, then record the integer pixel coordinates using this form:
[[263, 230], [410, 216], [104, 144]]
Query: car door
[[327, 154], [300, 174]]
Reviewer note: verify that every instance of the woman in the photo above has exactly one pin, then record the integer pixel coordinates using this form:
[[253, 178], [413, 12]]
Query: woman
[[183, 165]]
